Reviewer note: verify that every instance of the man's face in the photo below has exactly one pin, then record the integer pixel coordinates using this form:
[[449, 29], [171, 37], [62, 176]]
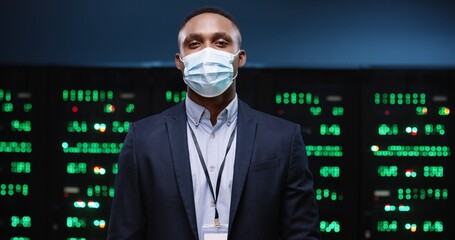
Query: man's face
[[210, 30]]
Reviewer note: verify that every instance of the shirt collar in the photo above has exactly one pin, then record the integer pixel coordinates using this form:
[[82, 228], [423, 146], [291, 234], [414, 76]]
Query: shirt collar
[[196, 112]]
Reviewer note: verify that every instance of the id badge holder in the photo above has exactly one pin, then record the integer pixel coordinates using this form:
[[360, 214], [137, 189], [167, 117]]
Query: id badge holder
[[211, 232]]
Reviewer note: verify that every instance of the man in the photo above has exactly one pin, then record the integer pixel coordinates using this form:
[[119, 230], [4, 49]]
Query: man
[[211, 167]]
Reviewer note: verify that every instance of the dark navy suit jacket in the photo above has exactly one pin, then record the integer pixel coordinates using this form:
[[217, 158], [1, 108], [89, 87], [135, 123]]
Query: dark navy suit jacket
[[272, 191]]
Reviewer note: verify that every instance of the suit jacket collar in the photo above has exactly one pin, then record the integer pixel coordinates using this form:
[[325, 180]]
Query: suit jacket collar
[[176, 127], [246, 132], [246, 135]]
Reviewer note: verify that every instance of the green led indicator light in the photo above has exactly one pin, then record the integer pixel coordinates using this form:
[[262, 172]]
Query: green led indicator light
[[74, 222], [92, 148], [337, 111], [175, 96], [377, 98], [129, 108], [315, 111], [444, 111], [80, 95], [387, 226], [327, 194], [324, 151], [5, 95], [326, 226], [7, 107], [21, 167], [296, 98], [411, 151], [120, 127], [96, 95], [25, 221], [16, 147], [115, 168], [329, 171], [100, 191], [333, 129], [27, 107], [278, 98], [392, 99], [109, 108], [110, 95], [399, 98], [421, 111], [87, 95], [102, 96], [99, 223], [72, 96], [433, 171], [387, 171], [13, 189], [76, 126], [65, 95], [76, 168], [18, 126], [423, 98], [386, 129], [436, 226], [434, 129], [168, 96], [422, 194]]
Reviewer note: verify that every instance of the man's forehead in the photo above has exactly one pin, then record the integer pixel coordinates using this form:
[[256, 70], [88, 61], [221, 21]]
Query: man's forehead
[[207, 23]]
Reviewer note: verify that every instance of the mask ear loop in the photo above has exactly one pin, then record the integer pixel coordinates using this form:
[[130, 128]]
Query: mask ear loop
[[237, 73]]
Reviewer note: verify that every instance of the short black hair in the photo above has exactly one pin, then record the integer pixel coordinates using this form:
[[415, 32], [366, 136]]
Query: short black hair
[[209, 9]]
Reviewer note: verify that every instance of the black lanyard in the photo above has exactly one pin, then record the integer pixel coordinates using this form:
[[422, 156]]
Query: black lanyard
[[220, 172]]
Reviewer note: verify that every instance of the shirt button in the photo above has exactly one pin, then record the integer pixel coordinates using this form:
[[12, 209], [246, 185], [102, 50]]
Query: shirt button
[[212, 135], [212, 204], [212, 168]]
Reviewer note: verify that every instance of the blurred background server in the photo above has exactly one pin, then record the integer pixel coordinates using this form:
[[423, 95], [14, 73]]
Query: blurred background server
[[371, 82]]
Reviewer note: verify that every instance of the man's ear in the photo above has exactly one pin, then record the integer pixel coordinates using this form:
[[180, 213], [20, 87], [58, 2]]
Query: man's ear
[[242, 58], [178, 62]]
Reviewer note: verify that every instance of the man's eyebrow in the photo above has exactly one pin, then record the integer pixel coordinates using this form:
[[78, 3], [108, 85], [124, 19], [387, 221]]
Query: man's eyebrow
[[192, 36], [224, 35], [216, 35]]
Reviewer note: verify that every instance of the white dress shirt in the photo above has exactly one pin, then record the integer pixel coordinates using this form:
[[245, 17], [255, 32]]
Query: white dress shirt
[[213, 141]]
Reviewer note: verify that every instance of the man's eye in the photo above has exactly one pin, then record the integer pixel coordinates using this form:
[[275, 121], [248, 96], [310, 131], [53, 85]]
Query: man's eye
[[193, 44], [221, 43]]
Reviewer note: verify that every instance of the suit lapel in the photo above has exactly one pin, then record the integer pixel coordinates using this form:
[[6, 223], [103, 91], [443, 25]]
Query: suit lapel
[[176, 126], [246, 133]]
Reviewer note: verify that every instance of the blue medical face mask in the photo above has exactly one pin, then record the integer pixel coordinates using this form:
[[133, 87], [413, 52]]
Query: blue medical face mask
[[209, 72]]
